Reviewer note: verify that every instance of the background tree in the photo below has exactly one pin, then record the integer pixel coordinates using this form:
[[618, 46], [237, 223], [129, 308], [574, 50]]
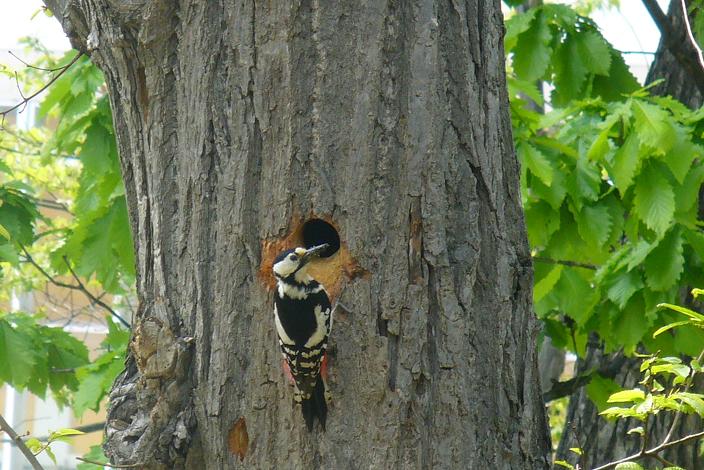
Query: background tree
[[675, 65], [391, 122]]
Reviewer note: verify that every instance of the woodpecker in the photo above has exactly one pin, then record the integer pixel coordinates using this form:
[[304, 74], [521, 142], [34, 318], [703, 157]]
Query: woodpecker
[[303, 319]]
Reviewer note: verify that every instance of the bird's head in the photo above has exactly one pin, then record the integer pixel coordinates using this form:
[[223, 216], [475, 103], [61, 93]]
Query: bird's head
[[292, 263]]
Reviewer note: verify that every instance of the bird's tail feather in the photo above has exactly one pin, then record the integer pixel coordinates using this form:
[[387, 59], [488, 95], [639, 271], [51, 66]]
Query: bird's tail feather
[[315, 406]]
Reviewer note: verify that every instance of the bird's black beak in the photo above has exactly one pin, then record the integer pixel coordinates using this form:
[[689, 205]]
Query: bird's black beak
[[314, 252]]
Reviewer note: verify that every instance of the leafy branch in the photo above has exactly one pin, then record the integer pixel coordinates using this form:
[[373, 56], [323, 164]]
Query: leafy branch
[[645, 404], [31, 458]]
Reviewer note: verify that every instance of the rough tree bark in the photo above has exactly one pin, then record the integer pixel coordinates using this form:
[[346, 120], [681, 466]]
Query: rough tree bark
[[236, 121], [604, 442]]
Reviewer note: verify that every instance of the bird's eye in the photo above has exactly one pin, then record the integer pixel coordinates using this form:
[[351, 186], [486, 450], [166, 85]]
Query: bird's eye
[[293, 258]]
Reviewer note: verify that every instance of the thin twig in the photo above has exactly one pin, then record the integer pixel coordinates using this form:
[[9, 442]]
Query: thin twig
[[103, 464], [25, 100], [79, 286], [573, 264], [94, 298], [31, 458], [56, 69], [685, 16], [678, 414], [652, 452]]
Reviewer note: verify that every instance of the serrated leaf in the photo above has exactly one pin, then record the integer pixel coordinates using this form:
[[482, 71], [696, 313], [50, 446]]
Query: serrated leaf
[[531, 55], [619, 81], [546, 284], [594, 224], [680, 157], [516, 25], [626, 162], [600, 146], [570, 72], [654, 200], [687, 193], [576, 297], [17, 356], [665, 263], [622, 285], [536, 162], [594, 52], [583, 183], [654, 126], [631, 323], [553, 194]]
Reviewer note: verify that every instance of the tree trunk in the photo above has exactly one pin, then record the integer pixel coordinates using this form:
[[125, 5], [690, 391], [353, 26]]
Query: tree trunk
[[603, 441], [239, 121]]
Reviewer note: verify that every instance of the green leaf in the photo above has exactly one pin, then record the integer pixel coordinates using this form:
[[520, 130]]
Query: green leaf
[[564, 463], [654, 200], [687, 194], [4, 233], [684, 310], [627, 396], [654, 126], [531, 56], [516, 25], [665, 263], [594, 224], [600, 147], [576, 450], [50, 454], [65, 432], [17, 356], [626, 162], [553, 194], [680, 157], [546, 284], [599, 389], [576, 297], [619, 81], [536, 162], [583, 183], [694, 400], [622, 285], [670, 326], [594, 52], [631, 324], [628, 466], [570, 71]]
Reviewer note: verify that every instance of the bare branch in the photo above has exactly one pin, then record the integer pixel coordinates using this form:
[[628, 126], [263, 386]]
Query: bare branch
[[5, 426], [573, 264], [79, 286], [27, 99], [93, 298]]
